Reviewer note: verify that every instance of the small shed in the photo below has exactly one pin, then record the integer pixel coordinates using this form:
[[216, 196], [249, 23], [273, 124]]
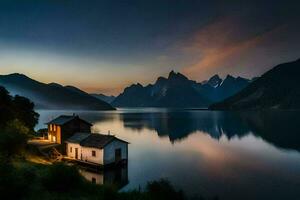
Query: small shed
[[97, 148]]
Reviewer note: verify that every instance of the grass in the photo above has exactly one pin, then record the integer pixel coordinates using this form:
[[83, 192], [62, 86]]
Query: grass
[[22, 179]]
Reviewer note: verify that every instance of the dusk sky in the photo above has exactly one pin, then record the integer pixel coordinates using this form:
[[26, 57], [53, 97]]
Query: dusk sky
[[104, 46]]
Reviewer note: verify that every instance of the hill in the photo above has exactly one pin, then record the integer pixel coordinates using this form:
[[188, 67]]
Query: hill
[[103, 97], [278, 88], [53, 95]]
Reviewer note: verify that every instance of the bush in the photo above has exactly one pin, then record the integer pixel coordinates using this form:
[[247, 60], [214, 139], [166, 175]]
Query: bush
[[61, 178], [60, 181], [156, 190], [15, 183], [13, 139], [162, 189]]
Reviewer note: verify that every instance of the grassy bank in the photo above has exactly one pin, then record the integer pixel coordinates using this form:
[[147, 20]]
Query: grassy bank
[[21, 179]]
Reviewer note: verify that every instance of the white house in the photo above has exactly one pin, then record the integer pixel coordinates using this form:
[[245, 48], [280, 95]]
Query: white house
[[96, 148]]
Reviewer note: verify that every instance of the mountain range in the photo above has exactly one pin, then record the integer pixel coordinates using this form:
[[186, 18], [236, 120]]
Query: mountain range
[[178, 91], [53, 95], [277, 88], [103, 97]]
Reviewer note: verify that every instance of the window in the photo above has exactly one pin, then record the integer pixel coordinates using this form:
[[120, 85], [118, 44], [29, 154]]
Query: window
[[54, 127], [50, 127], [94, 153], [70, 149]]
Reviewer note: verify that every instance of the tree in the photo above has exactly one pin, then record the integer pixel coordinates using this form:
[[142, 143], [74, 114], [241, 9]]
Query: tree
[[17, 107], [6, 112], [24, 111]]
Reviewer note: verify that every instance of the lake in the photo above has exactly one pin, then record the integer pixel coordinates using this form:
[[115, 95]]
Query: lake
[[232, 155]]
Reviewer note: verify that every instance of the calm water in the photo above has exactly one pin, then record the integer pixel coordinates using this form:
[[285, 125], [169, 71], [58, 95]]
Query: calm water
[[232, 155]]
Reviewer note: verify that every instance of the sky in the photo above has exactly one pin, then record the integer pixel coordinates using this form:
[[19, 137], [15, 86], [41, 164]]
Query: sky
[[105, 46]]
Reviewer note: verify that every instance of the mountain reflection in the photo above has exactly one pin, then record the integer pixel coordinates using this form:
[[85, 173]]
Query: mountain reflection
[[276, 127]]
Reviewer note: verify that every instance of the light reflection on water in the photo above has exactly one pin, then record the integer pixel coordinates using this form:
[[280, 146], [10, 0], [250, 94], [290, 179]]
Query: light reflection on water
[[232, 155]]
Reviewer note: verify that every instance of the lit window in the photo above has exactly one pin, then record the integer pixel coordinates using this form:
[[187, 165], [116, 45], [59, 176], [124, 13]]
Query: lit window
[[54, 127], [94, 153]]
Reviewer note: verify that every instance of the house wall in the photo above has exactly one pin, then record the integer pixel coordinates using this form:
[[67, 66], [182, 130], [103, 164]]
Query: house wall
[[74, 126], [85, 153], [54, 133], [70, 153], [109, 151]]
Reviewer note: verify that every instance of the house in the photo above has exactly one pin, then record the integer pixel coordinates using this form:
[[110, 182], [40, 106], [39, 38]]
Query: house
[[98, 149], [64, 126]]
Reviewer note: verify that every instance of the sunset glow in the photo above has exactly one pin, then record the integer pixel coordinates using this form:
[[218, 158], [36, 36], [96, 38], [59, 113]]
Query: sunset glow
[[101, 47]]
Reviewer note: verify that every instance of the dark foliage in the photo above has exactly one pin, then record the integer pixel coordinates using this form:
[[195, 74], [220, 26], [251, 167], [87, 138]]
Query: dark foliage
[[6, 112], [59, 178], [14, 184], [24, 111], [162, 189], [16, 107], [17, 121], [13, 139], [60, 181]]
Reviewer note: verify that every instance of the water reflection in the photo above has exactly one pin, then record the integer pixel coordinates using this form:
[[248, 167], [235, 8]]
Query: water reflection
[[233, 155], [116, 177], [278, 128]]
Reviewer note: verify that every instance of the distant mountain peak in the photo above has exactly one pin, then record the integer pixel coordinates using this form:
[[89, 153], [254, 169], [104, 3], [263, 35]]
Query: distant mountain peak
[[55, 84], [214, 81], [229, 76], [17, 75], [133, 86], [161, 80], [138, 85], [174, 75], [216, 76]]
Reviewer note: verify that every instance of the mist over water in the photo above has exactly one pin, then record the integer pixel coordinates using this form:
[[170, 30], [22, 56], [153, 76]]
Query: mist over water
[[232, 155]]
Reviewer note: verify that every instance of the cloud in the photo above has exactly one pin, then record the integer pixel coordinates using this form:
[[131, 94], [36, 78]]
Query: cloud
[[231, 45]]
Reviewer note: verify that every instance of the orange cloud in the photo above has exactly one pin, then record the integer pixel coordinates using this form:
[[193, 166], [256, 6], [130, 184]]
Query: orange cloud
[[223, 47]]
